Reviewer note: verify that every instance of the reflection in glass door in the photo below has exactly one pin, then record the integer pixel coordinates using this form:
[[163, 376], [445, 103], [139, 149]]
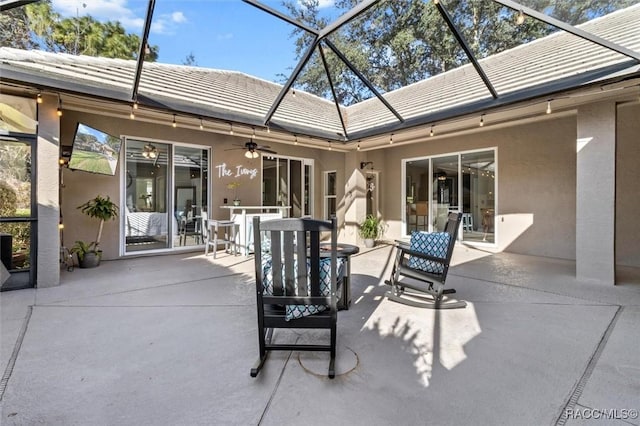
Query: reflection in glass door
[[146, 217], [166, 195], [461, 182], [478, 212], [17, 213], [444, 190], [287, 182], [190, 195]]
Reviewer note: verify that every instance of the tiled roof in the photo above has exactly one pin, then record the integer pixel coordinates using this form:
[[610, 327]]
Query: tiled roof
[[533, 66], [560, 61]]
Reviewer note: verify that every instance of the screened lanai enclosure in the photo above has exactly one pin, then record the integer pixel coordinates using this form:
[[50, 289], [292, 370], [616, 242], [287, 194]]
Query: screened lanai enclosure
[[331, 86]]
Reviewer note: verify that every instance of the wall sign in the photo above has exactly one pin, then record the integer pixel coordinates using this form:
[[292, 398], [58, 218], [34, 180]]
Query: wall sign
[[240, 171]]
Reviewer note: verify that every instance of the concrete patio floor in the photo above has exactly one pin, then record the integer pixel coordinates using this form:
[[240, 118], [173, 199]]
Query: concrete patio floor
[[169, 340]]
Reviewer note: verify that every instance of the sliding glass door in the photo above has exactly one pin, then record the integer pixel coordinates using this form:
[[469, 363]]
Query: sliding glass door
[[461, 182], [287, 182], [18, 216], [191, 176], [166, 191]]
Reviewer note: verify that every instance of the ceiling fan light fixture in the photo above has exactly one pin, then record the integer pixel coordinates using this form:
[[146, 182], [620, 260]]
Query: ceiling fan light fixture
[[249, 154], [255, 155]]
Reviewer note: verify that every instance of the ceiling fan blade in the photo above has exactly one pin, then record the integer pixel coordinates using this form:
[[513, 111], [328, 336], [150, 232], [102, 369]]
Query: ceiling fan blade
[[268, 151], [234, 149], [262, 146]]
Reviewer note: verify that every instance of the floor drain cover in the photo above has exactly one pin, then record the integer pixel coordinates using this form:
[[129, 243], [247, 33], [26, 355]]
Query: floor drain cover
[[317, 363]]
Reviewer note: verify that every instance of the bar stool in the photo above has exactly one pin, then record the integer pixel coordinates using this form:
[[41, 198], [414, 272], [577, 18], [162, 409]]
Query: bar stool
[[213, 236], [467, 222]]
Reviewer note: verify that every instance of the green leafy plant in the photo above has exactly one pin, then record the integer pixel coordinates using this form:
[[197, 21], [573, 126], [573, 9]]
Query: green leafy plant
[[234, 186], [100, 208], [370, 228], [81, 248]]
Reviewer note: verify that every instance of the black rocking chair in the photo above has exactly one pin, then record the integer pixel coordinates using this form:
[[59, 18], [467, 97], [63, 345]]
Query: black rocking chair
[[424, 263], [296, 286]]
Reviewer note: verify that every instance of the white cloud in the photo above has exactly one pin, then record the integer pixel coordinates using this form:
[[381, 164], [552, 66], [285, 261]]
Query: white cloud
[[178, 17], [102, 10], [119, 10], [322, 4], [325, 3]]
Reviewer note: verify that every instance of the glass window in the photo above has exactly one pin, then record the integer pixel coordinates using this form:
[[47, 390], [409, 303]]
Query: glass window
[[287, 182], [166, 194], [330, 199], [463, 182], [17, 215], [18, 114]]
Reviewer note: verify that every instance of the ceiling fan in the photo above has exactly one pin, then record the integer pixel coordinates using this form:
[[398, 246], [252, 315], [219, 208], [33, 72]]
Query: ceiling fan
[[251, 147]]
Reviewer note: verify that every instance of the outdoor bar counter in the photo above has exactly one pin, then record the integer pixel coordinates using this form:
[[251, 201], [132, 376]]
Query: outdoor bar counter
[[243, 216]]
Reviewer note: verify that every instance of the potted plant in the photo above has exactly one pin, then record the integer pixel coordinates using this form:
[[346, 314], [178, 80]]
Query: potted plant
[[88, 256], [234, 186], [370, 229], [100, 208]]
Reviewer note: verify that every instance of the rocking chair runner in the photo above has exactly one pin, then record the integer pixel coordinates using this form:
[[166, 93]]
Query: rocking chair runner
[[296, 287], [425, 263]]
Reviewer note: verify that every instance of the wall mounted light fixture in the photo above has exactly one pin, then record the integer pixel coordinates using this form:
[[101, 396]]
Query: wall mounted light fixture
[[364, 164]]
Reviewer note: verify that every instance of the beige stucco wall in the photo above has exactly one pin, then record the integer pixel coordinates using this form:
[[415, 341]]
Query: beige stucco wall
[[81, 186], [48, 266], [536, 194], [536, 183], [628, 186]]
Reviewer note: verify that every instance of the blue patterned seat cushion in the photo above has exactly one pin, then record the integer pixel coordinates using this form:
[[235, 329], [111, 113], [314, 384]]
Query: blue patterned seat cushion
[[430, 243], [299, 311]]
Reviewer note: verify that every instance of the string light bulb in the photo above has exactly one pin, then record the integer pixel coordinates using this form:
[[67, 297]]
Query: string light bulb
[[231, 129], [520, 18], [39, 98], [173, 123], [330, 147], [131, 114], [59, 110], [482, 120], [548, 107], [358, 147], [431, 132], [295, 142], [201, 125], [391, 139], [293, 93], [135, 104]]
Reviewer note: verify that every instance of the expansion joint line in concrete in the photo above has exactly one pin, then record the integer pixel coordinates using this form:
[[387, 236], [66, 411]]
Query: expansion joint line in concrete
[[591, 365], [14, 355], [277, 385]]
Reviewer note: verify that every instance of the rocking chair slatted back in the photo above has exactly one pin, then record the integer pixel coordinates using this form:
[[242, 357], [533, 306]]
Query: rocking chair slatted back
[[424, 270], [296, 287]]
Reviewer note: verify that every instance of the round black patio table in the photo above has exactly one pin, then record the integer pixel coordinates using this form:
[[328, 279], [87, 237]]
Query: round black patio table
[[344, 251]]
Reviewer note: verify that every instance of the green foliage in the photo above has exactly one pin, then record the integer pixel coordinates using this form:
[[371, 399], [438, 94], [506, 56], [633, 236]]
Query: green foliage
[[80, 248], [90, 161], [12, 204], [370, 228], [101, 208], [14, 30], [8, 200], [75, 35], [400, 42]]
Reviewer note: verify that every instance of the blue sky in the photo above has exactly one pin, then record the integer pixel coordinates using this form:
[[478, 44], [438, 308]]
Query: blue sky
[[222, 34]]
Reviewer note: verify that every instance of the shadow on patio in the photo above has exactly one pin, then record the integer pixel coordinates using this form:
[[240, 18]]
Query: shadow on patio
[[171, 339]]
